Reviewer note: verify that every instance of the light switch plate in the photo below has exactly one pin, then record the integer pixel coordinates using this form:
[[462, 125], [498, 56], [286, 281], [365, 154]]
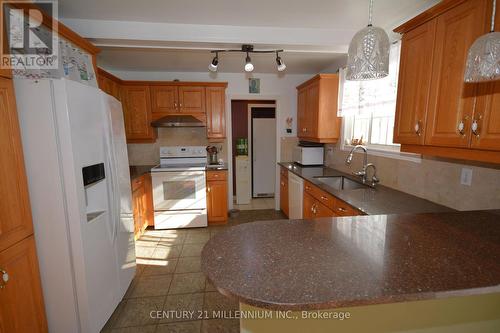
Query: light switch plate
[[466, 177]]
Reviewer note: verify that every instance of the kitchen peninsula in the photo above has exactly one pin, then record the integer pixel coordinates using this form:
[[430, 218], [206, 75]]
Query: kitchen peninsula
[[425, 268]]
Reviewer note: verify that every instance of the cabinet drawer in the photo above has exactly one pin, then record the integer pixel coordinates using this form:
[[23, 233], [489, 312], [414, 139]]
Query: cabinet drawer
[[216, 175], [342, 209], [325, 198], [313, 208]]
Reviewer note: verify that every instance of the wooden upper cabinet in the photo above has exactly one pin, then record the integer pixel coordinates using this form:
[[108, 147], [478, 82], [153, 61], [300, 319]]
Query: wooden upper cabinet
[[21, 307], [164, 99], [192, 99], [137, 113], [215, 107], [414, 84], [487, 110], [15, 210], [109, 83], [487, 117], [452, 100], [317, 109], [301, 111]]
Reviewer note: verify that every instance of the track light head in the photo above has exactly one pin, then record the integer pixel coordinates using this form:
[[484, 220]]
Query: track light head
[[280, 63], [248, 64], [215, 62]]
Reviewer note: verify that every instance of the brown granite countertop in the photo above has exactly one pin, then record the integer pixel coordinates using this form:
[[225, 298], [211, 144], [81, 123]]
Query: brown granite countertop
[[371, 201], [340, 262], [137, 171]]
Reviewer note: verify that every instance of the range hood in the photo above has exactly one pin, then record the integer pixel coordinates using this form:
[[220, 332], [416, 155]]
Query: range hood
[[178, 121]]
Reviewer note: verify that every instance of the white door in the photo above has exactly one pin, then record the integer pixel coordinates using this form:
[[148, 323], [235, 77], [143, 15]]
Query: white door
[[263, 156]]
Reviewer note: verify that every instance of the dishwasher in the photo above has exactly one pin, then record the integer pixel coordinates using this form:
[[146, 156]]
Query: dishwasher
[[295, 196]]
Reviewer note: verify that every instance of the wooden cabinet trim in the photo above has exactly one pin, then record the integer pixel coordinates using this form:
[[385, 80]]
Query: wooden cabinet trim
[[455, 153]]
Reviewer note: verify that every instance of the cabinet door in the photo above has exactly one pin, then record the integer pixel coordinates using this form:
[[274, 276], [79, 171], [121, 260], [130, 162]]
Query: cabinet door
[[312, 109], [216, 120], [21, 305], [15, 210], [148, 203], [452, 100], [284, 194], [308, 205], [301, 112], [137, 113], [138, 207], [217, 201], [414, 83], [164, 99], [487, 117], [192, 99]]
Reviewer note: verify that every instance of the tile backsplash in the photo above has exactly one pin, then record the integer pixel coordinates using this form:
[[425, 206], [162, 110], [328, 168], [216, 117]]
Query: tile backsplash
[[434, 180], [149, 153]]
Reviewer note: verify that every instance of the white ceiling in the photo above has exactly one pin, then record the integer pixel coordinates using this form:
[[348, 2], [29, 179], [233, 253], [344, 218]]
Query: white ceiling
[[176, 35]]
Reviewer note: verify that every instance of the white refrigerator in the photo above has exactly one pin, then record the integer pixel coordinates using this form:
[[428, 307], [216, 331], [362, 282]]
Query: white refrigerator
[[79, 184]]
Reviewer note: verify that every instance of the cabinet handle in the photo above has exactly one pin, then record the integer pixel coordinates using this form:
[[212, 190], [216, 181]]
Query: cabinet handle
[[342, 209], [324, 198], [304, 130], [175, 105], [208, 189], [308, 188], [461, 126], [313, 209], [180, 105], [5, 279], [475, 126], [283, 184], [418, 128]]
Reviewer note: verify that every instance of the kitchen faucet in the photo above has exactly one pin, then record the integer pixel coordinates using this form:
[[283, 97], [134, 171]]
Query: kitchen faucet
[[363, 173]]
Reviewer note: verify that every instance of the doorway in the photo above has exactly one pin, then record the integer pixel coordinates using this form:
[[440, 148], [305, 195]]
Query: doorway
[[253, 129]]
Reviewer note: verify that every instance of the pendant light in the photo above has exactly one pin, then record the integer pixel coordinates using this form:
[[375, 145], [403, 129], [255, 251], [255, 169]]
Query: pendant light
[[368, 55], [483, 59]]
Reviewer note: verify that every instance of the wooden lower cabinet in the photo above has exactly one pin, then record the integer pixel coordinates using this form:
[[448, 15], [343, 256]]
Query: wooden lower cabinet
[[142, 202], [21, 300], [318, 203], [217, 197], [284, 206], [313, 208]]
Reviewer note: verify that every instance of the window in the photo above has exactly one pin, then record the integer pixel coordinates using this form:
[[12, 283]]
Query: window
[[368, 108]]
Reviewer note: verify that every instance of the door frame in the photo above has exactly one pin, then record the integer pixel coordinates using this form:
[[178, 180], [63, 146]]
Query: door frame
[[229, 135], [250, 138]]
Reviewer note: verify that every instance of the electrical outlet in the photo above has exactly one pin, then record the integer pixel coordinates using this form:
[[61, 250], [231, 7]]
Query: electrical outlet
[[466, 177]]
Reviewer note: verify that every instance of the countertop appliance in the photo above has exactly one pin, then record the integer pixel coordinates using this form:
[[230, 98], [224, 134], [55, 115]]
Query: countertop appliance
[[308, 155], [179, 188], [79, 185]]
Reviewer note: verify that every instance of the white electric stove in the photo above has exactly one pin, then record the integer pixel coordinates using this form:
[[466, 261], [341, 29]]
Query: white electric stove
[[179, 188]]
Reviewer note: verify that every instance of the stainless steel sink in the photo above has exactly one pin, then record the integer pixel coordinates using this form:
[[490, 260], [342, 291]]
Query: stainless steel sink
[[340, 183]]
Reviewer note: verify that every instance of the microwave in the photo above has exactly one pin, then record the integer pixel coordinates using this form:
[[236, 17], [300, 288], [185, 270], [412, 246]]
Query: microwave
[[308, 155]]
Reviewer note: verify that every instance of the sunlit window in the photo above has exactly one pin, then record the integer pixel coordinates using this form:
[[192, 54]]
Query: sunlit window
[[368, 107]]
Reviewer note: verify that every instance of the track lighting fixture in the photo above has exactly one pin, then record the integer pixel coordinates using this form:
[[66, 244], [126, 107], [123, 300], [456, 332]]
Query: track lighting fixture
[[248, 64], [215, 62], [249, 67], [280, 63]]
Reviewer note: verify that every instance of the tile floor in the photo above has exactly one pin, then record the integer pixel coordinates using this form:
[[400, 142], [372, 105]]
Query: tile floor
[[256, 203], [169, 277]]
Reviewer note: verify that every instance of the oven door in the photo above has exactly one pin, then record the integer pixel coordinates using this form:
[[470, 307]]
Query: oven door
[[179, 190]]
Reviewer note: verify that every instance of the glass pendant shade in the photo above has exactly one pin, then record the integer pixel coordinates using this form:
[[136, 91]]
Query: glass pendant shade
[[368, 55], [483, 60]]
